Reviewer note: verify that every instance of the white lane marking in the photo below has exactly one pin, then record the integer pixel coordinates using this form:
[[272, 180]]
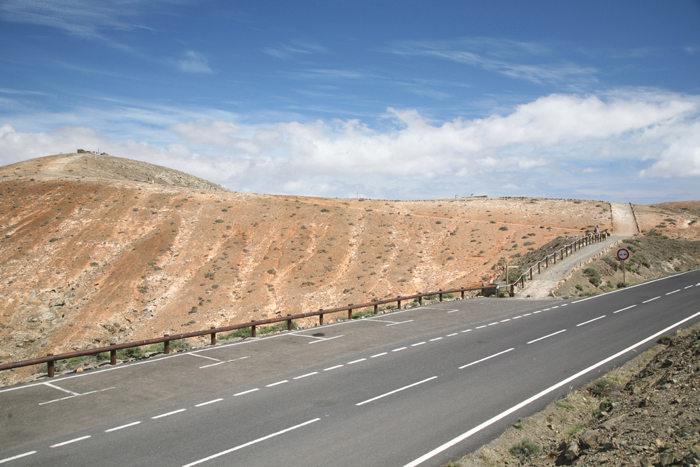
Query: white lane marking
[[250, 443], [61, 389], [417, 344], [539, 395], [453, 334], [564, 304], [246, 392], [678, 290], [527, 314], [19, 456], [306, 375], [555, 307], [546, 309], [517, 317], [333, 367], [535, 312], [399, 349], [277, 383], [402, 322], [688, 287], [323, 340], [467, 330], [76, 395], [624, 309], [505, 320], [395, 391], [202, 356], [213, 364], [493, 324], [481, 327], [452, 311], [122, 427], [379, 355], [75, 440], [652, 299], [487, 358], [167, 414], [436, 339], [548, 335], [357, 361], [208, 402], [590, 321], [239, 358]]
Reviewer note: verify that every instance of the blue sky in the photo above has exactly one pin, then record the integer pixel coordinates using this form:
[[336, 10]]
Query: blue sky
[[385, 99]]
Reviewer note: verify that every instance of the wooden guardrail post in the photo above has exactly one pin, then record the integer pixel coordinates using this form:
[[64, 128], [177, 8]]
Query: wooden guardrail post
[[289, 323], [376, 308], [349, 312], [166, 345], [253, 330], [320, 317], [50, 365], [213, 337], [113, 356], [398, 302], [420, 300], [440, 294], [482, 291]]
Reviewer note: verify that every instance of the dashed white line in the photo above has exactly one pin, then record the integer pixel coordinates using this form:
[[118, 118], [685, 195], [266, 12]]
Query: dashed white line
[[167, 414], [453, 334], [546, 309], [436, 339], [307, 375], [357, 361], [517, 317], [564, 304], [484, 359], [379, 355], [555, 307], [678, 290], [333, 367], [213, 364], [624, 309], [548, 335], [277, 383], [452, 311], [250, 443], [395, 391], [240, 358], [399, 349], [493, 324], [75, 440], [527, 314], [652, 299], [467, 330], [481, 327], [590, 321], [246, 392], [19, 456], [122, 427], [535, 312], [505, 320], [691, 285], [417, 344], [208, 402]]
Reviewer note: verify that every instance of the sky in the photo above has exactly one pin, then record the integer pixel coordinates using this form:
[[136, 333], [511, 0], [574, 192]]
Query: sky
[[382, 99]]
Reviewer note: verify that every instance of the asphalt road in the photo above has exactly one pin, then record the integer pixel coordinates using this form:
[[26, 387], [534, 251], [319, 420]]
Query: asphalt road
[[416, 387]]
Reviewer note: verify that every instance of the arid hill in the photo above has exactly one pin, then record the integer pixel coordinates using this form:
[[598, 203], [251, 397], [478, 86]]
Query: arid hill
[[90, 253]]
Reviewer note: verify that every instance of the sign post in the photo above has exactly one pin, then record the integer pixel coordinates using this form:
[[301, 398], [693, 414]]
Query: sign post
[[623, 254]]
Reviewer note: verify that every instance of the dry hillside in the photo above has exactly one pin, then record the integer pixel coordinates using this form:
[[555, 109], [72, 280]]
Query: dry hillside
[[90, 253]]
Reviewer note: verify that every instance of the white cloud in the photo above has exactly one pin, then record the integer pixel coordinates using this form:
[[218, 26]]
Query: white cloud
[[194, 62]]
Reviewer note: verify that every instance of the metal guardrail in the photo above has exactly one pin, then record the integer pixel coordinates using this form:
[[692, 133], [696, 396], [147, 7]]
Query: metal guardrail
[[571, 247], [50, 359]]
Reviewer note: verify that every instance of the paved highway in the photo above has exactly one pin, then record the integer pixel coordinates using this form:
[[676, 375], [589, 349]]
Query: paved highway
[[416, 387]]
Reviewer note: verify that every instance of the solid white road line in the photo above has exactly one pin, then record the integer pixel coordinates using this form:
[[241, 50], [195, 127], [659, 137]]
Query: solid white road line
[[167, 414], [70, 441], [19, 456], [208, 402], [591, 320], [246, 392], [213, 364], [306, 375], [487, 358], [357, 361], [548, 335], [652, 299], [250, 443], [121, 427], [395, 391], [333, 367], [673, 292], [624, 309], [539, 395], [277, 383]]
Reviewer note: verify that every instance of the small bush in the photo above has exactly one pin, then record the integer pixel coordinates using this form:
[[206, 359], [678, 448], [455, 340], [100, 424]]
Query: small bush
[[503, 228], [593, 276], [665, 340], [601, 387], [525, 448]]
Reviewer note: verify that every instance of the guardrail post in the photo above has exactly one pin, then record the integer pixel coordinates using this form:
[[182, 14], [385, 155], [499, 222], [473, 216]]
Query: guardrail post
[[398, 302], [213, 337], [440, 294], [320, 317], [166, 345], [546, 261], [253, 330], [49, 365], [376, 308], [349, 313], [554, 257], [112, 356], [289, 323], [512, 289], [530, 273], [482, 291]]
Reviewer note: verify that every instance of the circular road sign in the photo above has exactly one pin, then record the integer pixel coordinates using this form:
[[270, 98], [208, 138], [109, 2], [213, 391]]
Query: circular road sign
[[623, 254]]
